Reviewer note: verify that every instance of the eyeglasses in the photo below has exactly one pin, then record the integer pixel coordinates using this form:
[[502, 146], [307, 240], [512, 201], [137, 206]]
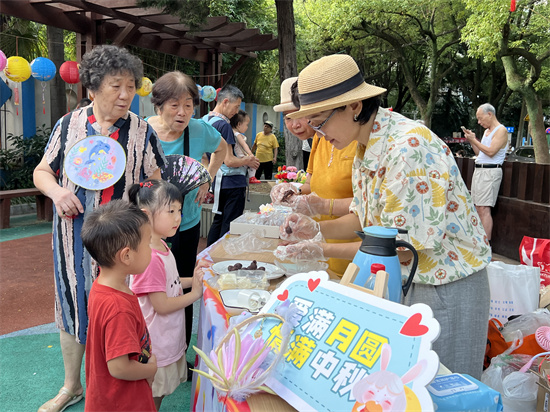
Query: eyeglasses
[[318, 128]]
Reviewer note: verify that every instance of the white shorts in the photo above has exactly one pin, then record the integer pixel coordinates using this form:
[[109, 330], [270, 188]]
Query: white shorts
[[485, 186], [168, 378]]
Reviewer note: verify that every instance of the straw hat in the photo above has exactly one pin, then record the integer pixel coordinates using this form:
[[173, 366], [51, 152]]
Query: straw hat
[[330, 82], [286, 97]]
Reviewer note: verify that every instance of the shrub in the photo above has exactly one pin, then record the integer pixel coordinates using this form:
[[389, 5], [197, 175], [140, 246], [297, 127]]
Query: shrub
[[18, 162]]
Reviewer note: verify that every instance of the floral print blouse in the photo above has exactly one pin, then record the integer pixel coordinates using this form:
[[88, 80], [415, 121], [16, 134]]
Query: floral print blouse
[[407, 178]]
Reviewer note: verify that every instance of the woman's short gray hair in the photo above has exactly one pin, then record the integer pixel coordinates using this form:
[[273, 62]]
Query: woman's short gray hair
[[108, 60]]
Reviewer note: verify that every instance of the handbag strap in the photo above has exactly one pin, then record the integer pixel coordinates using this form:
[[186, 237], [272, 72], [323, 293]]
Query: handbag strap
[[186, 141]]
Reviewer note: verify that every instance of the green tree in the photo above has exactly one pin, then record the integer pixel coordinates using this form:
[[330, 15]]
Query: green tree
[[421, 35], [23, 38], [521, 40]]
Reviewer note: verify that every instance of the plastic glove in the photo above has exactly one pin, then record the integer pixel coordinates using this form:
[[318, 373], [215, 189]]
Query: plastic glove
[[283, 193], [253, 240], [310, 205], [300, 227], [304, 250]]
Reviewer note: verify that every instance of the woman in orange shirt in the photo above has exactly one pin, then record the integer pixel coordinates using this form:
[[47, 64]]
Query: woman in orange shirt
[[329, 171]]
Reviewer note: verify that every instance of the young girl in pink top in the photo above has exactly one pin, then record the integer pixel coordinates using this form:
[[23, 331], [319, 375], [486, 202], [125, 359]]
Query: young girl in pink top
[[160, 289]]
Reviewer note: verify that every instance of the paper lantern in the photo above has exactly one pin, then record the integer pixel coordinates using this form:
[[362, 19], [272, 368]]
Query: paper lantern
[[218, 92], [69, 72], [146, 87], [43, 69], [17, 69], [208, 93], [3, 60]]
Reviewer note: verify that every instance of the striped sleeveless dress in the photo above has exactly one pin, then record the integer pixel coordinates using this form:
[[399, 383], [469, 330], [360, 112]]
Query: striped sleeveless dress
[[74, 269]]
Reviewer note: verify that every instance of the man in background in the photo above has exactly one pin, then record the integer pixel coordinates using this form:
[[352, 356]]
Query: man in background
[[490, 153], [266, 147], [231, 180]]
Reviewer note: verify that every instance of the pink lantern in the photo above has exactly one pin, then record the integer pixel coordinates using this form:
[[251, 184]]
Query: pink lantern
[[3, 60]]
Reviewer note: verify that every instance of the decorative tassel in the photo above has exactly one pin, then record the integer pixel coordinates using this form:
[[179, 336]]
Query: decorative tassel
[[16, 99], [512, 6], [43, 97], [69, 98]]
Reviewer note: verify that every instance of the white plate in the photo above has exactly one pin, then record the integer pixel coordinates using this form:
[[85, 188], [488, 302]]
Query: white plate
[[272, 271], [235, 304]]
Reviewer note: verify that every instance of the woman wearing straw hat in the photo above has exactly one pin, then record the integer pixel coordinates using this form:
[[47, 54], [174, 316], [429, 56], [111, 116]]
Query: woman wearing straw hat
[[328, 189], [403, 176]]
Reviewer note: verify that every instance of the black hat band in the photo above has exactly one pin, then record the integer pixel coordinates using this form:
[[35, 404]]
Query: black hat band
[[332, 91]]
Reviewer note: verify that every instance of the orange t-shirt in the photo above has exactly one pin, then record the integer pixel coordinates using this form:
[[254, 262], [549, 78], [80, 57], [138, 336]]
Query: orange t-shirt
[[330, 171]]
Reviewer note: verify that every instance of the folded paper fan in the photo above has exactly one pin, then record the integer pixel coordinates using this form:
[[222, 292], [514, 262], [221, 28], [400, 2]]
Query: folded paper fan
[[184, 172]]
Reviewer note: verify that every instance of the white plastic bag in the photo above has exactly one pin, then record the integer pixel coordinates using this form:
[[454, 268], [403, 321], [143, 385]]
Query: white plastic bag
[[514, 289], [518, 390]]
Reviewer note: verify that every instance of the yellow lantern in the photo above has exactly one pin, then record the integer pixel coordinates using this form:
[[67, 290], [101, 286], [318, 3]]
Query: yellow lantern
[[146, 87], [17, 69]]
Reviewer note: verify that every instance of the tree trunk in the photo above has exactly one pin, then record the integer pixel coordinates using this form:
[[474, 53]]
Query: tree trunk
[[58, 97], [534, 108], [536, 121], [288, 68]]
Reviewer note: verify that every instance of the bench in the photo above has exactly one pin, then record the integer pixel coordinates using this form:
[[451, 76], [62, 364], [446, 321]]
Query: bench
[[44, 206]]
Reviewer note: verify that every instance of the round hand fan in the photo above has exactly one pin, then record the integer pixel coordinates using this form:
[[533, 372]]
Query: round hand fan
[[184, 172], [542, 336], [95, 162]]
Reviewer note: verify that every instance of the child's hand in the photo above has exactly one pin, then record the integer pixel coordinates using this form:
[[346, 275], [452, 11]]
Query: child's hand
[[153, 362], [196, 285]]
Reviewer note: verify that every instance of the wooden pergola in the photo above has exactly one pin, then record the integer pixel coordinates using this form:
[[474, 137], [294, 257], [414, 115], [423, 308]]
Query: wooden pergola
[[122, 23]]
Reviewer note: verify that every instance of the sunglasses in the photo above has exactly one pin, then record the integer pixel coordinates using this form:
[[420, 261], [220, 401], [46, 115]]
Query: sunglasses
[[318, 128]]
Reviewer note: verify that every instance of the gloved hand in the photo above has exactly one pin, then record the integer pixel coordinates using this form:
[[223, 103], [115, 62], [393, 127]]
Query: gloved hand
[[283, 194], [310, 205], [300, 227], [304, 250]]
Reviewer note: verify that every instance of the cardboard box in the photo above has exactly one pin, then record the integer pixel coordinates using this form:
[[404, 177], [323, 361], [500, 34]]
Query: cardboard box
[[543, 394], [237, 228]]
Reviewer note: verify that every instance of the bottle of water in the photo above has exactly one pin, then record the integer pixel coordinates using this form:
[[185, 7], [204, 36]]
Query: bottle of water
[[369, 284]]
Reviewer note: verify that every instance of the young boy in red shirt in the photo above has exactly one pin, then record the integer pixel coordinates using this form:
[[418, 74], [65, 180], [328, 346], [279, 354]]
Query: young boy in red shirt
[[119, 364]]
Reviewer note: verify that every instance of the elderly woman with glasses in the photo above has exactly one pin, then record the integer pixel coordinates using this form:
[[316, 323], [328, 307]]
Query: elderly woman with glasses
[[112, 76], [403, 176]]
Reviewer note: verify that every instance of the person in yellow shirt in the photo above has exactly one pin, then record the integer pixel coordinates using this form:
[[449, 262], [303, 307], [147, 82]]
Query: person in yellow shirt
[[328, 170], [266, 147]]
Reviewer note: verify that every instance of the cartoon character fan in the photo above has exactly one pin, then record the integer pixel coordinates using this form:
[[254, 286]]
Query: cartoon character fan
[[185, 173], [95, 162]]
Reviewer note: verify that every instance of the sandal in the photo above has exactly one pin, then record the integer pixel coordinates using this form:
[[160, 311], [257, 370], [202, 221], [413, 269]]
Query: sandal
[[53, 406]]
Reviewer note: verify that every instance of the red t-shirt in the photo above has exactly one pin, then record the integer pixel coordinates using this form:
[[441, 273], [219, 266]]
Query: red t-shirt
[[116, 327]]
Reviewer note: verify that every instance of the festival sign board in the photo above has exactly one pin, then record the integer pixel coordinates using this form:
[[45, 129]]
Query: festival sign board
[[352, 350]]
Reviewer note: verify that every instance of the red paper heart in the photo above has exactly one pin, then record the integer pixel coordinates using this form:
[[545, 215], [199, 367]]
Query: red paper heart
[[412, 326], [312, 284], [283, 296]]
